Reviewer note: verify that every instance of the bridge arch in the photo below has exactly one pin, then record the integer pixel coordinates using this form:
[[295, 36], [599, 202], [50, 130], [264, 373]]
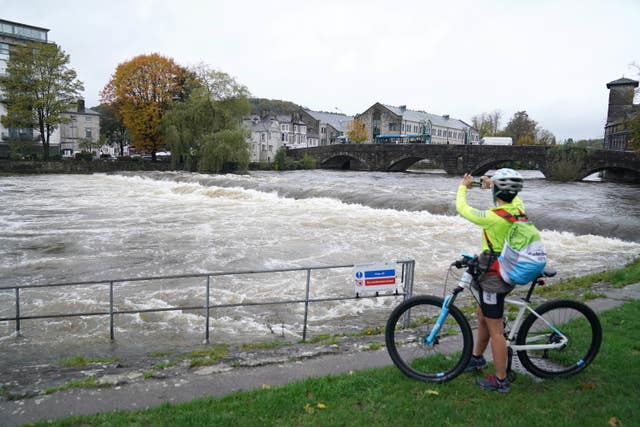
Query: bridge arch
[[403, 163], [482, 168], [344, 162], [614, 172]]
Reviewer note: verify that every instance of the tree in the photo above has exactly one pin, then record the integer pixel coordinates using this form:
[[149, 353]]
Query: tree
[[224, 151], [112, 128], [88, 145], [487, 124], [521, 128], [141, 90], [38, 88], [544, 137], [217, 102], [356, 131]]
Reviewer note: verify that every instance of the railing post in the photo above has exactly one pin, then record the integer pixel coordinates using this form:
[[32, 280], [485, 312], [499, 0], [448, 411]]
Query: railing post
[[306, 306], [18, 333], [410, 273], [111, 325], [408, 291], [206, 325]]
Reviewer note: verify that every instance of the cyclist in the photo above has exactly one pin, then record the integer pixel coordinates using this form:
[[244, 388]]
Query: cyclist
[[506, 184]]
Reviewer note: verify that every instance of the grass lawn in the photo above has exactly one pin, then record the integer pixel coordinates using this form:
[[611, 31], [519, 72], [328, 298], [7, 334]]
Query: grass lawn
[[606, 394]]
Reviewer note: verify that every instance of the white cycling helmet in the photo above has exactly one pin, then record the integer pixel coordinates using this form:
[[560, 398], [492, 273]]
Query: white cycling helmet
[[506, 184]]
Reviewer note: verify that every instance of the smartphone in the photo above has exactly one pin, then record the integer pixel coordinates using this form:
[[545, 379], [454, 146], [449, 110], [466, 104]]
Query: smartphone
[[476, 183]]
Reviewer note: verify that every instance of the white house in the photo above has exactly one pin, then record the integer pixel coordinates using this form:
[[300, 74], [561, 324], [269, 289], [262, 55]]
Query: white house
[[264, 135]]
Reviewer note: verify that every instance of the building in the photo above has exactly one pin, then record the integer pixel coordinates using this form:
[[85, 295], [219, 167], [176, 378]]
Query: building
[[386, 124], [265, 137], [14, 34], [293, 130], [621, 110], [81, 133], [325, 128]]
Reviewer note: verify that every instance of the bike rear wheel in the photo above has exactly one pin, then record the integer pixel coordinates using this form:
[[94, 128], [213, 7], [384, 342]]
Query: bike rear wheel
[[572, 319], [407, 328]]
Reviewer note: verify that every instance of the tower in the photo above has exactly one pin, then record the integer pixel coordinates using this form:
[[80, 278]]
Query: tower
[[621, 108]]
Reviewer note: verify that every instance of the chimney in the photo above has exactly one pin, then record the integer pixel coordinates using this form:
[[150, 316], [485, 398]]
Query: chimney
[[80, 105], [445, 116], [403, 108]]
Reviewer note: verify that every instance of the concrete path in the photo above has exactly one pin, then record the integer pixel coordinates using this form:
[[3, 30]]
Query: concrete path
[[211, 381]]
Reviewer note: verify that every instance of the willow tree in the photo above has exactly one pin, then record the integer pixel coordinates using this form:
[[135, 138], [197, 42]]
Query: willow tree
[[142, 90], [216, 103], [224, 151], [38, 88]]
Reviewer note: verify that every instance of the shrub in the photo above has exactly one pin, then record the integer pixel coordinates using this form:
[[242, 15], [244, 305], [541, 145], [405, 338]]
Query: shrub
[[565, 163]]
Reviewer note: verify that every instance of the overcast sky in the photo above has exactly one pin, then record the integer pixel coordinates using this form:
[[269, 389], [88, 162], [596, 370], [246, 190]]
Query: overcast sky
[[550, 58]]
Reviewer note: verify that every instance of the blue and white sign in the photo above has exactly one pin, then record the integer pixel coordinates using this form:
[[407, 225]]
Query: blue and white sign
[[375, 276]]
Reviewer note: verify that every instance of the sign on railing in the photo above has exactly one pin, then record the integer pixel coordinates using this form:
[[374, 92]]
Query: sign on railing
[[375, 276]]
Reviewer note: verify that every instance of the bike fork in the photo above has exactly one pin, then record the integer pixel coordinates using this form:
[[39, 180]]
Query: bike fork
[[448, 301]]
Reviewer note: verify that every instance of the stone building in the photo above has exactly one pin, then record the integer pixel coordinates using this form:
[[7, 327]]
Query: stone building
[[293, 130], [325, 128], [621, 110], [83, 125], [400, 125], [264, 136]]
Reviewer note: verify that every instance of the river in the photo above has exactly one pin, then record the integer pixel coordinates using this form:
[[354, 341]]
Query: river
[[66, 228]]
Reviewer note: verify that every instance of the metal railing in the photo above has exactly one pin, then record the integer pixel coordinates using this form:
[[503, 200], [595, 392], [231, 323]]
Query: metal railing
[[406, 278]]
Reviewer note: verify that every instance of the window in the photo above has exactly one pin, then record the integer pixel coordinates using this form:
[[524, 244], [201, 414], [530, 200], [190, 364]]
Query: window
[[87, 118], [262, 137], [88, 133], [392, 126], [6, 28], [73, 118]]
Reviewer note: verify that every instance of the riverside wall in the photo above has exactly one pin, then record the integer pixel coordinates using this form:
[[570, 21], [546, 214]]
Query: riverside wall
[[19, 167]]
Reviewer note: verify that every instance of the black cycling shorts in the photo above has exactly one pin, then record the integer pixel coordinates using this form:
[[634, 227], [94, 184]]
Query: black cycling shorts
[[491, 304]]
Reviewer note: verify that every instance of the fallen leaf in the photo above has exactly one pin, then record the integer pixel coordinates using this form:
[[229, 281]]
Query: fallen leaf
[[322, 406], [309, 395], [265, 386], [433, 392], [614, 422], [587, 386], [308, 409]]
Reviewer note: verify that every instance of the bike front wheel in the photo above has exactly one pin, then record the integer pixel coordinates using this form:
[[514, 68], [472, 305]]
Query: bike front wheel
[[571, 319], [406, 334]]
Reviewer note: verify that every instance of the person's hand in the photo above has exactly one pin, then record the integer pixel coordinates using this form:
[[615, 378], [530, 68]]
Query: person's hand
[[467, 180], [486, 182]]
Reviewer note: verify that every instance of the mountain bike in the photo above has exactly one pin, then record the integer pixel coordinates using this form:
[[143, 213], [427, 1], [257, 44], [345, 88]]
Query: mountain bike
[[430, 339]]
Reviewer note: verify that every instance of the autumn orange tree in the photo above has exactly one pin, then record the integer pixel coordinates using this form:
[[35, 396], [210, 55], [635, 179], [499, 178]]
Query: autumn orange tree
[[140, 91], [356, 131]]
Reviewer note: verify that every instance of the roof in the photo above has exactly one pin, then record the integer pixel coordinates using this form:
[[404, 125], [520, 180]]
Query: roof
[[287, 118], [422, 116], [23, 25], [336, 120], [622, 82]]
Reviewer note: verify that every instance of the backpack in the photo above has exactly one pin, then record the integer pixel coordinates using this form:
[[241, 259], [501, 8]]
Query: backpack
[[523, 256]]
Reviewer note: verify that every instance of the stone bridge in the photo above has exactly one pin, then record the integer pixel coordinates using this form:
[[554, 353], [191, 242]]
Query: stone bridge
[[556, 162]]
